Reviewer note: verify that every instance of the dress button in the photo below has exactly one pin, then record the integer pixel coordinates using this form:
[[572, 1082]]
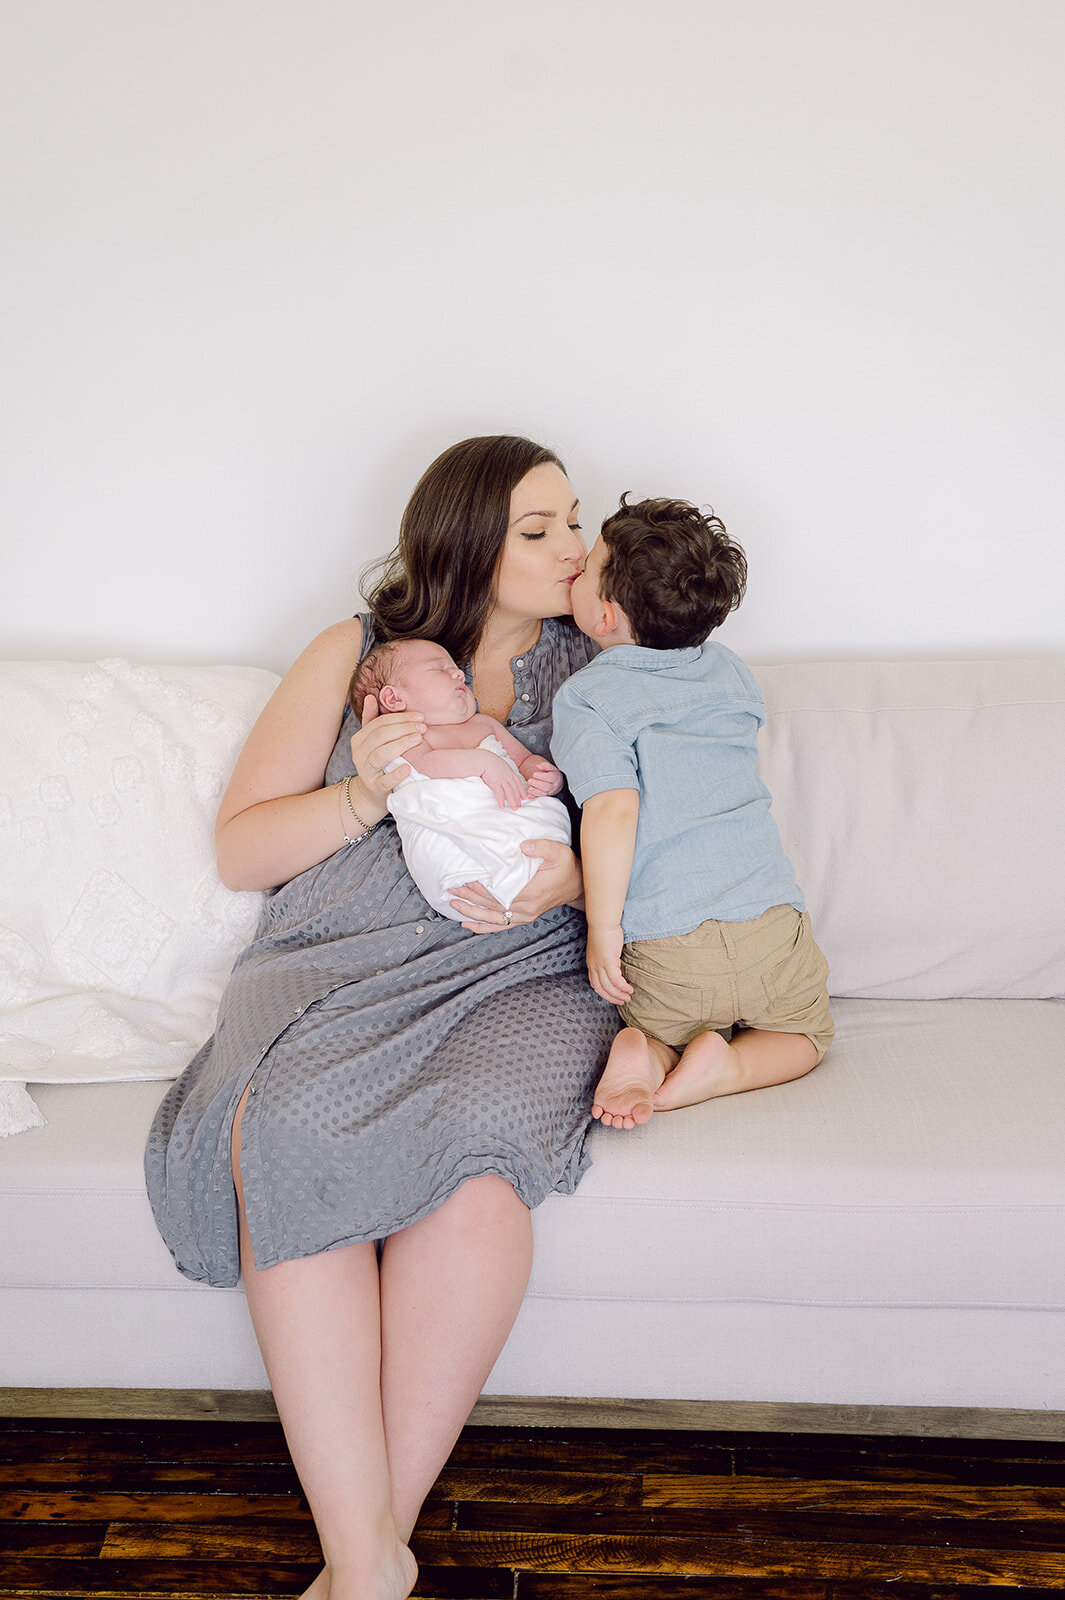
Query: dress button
[[380, 972], [520, 661], [525, 697], [419, 928], [298, 1011]]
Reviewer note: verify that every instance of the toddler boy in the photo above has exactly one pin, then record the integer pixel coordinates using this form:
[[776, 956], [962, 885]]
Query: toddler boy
[[695, 921]]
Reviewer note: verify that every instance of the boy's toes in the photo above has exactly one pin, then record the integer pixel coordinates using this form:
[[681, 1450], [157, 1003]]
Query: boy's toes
[[625, 1116]]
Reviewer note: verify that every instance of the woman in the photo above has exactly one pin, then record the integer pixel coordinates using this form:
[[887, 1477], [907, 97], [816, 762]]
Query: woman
[[378, 1072]]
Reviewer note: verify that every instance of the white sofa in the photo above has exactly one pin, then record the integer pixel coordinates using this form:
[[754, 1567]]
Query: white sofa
[[884, 1232]]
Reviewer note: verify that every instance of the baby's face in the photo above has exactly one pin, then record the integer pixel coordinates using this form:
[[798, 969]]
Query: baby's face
[[429, 681]]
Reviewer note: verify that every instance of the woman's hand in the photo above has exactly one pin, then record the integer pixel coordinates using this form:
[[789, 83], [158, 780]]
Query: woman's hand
[[382, 738], [557, 882]]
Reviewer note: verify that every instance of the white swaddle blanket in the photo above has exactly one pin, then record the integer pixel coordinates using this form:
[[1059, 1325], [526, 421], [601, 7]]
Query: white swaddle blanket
[[454, 831]]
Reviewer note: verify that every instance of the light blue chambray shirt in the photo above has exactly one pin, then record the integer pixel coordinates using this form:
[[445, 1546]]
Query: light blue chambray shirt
[[680, 726]]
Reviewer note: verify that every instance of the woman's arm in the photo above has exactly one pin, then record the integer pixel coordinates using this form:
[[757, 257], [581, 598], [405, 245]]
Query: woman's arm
[[275, 819]]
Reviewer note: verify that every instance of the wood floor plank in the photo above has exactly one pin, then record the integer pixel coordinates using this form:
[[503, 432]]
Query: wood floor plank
[[170, 1441], [108, 1506], [173, 1580], [570, 1552], [985, 1502], [152, 1580], [661, 1586], [222, 1541], [143, 1477], [664, 1586], [43, 1539], [593, 1450], [466, 1583], [209, 1541], [540, 1485], [803, 1527], [943, 1461], [1000, 1448], [139, 1478]]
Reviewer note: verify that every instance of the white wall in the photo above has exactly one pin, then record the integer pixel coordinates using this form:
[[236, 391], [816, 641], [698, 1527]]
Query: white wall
[[800, 259]]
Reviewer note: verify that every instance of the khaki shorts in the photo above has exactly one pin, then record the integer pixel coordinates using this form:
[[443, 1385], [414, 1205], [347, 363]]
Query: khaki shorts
[[767, 973]]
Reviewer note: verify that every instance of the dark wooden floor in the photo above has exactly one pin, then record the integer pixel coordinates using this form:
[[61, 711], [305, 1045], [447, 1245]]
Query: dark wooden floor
[[187, 1509]]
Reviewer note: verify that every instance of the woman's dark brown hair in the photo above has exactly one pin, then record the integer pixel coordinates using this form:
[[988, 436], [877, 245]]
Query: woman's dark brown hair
[[674, 572], [437, 583]]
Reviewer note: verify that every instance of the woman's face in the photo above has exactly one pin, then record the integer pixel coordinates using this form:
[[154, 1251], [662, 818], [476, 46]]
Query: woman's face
[[544, 550]]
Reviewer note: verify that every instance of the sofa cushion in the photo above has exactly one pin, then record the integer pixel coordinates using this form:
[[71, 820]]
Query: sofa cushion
[[116, 936], [919, 1165], [74, 1211], [920, 803]]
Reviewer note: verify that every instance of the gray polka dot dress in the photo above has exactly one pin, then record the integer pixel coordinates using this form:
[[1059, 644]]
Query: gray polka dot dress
[[391, 1053]]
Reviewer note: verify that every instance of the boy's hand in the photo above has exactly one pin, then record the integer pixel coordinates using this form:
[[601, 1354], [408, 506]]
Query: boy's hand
[[604, 965], [506, 784], [542, 779]]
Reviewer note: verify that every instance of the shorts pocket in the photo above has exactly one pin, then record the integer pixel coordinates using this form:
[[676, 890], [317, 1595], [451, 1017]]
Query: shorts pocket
[[666, 1010], [781, 963], [800, 974]]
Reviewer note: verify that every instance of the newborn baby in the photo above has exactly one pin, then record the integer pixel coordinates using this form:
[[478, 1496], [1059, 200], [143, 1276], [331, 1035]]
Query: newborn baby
[[474, 794]]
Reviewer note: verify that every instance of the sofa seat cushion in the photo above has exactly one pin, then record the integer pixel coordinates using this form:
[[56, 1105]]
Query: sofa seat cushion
[[74, 1211], [919, 1165]]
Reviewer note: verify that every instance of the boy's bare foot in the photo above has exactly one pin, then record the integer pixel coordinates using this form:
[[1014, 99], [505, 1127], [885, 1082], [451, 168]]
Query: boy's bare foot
[[707, 1068], [392, 1578], [624, 1095]]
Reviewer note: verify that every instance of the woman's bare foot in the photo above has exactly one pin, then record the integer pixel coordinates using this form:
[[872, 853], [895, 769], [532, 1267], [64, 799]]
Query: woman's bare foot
[[707, 1068], [624, 1095], [392, 1578]]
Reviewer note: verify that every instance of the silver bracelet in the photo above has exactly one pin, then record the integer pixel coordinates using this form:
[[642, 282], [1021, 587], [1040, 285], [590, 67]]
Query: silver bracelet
[[367, 827]]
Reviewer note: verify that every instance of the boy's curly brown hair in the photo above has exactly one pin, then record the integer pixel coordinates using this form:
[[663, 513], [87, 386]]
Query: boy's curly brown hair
[[674, 572]]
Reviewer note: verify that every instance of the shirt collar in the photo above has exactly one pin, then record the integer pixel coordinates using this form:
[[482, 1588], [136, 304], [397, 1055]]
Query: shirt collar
[[647, 660]]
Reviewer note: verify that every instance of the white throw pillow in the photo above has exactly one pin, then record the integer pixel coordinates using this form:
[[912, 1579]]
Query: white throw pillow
[[116, 936]]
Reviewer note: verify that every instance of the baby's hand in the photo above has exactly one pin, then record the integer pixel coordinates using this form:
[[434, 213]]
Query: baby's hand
[[507, 785], [604, 965], [543, 779]]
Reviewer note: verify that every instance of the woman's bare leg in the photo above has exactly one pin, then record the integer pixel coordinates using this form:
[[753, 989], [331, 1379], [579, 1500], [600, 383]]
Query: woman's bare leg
[[451, 1286], [318, 1323]]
